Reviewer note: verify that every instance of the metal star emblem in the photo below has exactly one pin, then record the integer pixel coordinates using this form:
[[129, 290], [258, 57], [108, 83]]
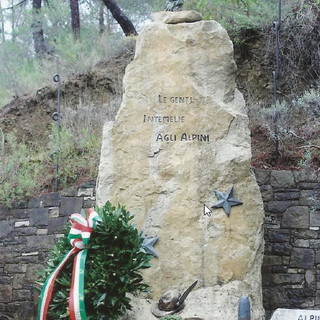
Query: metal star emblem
[[226, 200], [147, 245]]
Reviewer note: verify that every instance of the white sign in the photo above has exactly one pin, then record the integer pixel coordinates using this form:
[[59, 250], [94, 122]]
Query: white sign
[[296, 314]]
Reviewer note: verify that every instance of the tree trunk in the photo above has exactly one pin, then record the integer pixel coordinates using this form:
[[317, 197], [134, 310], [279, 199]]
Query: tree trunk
[[13, 23], [75, 18], [110, 20], [124, 22], [37, 29], [2, 24], [102, 26]]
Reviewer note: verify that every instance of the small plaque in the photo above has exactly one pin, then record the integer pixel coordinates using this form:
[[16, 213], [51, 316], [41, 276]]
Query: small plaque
[[296, 314]]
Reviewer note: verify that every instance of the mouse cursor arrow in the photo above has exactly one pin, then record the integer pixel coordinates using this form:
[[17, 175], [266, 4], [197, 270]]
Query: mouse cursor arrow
[[207, 211]]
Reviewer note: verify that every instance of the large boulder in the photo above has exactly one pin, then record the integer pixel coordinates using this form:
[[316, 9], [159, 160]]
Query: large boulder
[[181, 133]]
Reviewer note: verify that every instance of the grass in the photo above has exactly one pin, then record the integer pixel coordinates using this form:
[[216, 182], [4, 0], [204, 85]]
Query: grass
[[23, 167], [29, 167], [76, 148], [20, 170], [21, 75], [292, 130]]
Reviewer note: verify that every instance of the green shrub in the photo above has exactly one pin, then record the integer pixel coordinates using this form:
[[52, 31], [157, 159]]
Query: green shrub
[[293, 127], [236, 15], [26, 171], [294, 119], [77, 146], [20, 73], [20, 169], [5, 96], [112, 267]]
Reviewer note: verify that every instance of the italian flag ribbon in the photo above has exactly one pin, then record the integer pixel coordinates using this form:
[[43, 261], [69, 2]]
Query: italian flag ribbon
[[79, 236]]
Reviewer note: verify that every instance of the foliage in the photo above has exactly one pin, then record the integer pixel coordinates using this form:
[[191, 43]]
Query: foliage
[[21, 72], [5, 96], [112, 267], [300, 47], [26, 170], [18, 72], [75, 157], [20, 169], [236, 15], [293, 126], [78, 143], [82, 56]]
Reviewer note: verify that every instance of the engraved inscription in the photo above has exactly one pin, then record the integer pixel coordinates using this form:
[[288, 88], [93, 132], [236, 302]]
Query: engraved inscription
[[166, 119], [195, 137], [183, 137], [175, 100], [163, 119], [309, 317]]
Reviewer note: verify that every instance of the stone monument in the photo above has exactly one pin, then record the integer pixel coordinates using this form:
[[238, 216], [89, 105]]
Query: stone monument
[[178, 156]]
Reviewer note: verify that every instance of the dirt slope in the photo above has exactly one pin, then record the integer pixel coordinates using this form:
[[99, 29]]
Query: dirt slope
[[29, 117]]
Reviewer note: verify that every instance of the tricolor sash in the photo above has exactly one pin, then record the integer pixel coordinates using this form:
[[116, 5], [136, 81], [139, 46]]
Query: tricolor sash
[[79, 236]]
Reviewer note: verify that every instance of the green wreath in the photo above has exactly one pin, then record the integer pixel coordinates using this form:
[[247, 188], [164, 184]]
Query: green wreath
[[112, 268]]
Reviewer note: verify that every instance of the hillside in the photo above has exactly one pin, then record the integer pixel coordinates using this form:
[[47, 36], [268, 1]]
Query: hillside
[[30, 117], [283, 137]]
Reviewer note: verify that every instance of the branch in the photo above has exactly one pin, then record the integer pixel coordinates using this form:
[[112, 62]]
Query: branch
[[124, 22], [290, 132], [309, 146], [16, 5], [5, 316]]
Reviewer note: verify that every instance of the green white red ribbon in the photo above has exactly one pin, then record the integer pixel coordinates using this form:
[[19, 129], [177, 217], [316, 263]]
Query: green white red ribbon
[[79, 236], [76, 298]]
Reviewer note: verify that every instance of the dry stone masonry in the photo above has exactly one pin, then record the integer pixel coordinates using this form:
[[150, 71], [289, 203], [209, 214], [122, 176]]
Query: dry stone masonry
[[291, 267], [181, 133], [30, 229]]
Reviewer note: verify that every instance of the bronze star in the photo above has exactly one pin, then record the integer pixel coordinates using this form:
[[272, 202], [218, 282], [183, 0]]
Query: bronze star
[[226, 200]]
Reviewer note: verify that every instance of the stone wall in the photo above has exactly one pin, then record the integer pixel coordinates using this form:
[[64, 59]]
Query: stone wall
[[291, 268], [27, 232]]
